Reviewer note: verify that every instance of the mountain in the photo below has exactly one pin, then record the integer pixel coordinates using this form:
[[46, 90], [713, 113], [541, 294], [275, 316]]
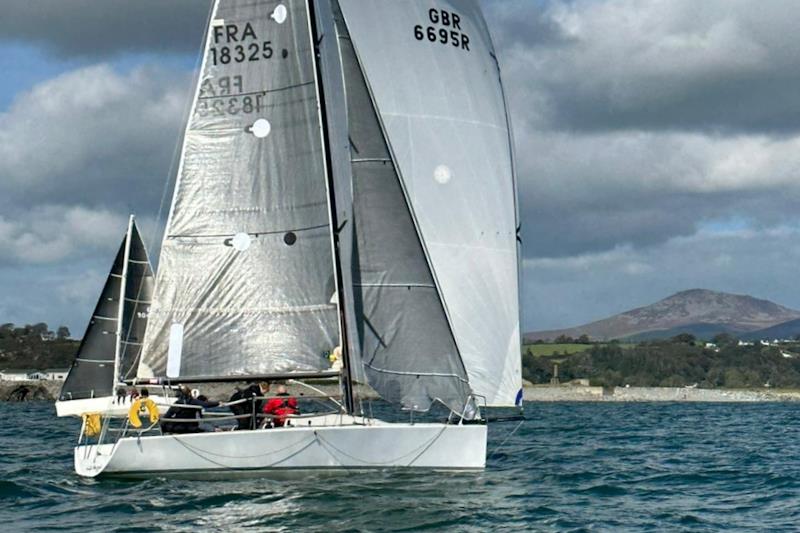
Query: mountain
[[695, 309], [784, 330]]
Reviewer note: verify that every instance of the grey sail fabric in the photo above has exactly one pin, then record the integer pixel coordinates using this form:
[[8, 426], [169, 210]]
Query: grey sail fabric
[[139, 283], [408, 350], [433, 76], [246, 265], [338, 149], [92, 372]]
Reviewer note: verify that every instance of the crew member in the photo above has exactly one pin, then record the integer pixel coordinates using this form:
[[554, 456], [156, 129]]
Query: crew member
[[280, 407]]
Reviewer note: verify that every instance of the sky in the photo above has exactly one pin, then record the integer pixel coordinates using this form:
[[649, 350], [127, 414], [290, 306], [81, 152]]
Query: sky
[[658, 147]]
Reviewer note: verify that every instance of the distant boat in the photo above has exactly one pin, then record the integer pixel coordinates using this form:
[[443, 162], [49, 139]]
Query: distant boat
[[110, 349], [346, 181]]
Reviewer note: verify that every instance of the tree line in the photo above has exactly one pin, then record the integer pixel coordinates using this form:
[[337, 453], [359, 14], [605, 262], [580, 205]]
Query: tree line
[[35, 346], [677, 362]]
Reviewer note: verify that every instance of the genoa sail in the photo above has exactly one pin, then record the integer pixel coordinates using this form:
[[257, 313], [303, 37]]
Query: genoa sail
[[408, 351], [116, 329], [246, 268], [434, 81]]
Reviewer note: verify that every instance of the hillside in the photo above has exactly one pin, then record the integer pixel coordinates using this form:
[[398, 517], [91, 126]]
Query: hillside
[[701, 310], [35, 347], [784, 330]]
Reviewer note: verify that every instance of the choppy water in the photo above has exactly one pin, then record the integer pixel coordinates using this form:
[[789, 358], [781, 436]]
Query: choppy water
[[570, 467]]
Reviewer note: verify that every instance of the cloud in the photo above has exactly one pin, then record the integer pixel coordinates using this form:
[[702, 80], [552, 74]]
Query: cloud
[[103, 28], [52, 234], [728, 66], [569, 291], [93, 136], [595, 191]]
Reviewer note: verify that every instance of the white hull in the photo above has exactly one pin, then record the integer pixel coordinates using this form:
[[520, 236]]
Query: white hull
[[317, 446], [106, 405]]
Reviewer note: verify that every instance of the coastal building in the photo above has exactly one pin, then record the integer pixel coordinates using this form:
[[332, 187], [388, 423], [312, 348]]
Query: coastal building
[[57, 374], [16, 374], [51, 374]]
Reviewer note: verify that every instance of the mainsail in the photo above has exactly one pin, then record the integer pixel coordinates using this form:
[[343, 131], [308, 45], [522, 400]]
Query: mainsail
[[434, 80], [112, 342], [246, 271], [346, 177]]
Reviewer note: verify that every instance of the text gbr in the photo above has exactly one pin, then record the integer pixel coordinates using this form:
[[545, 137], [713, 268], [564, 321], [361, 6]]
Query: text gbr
[[445, 29]]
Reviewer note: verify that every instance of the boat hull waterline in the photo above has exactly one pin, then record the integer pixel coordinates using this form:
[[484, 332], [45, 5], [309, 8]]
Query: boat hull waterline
[[375, 446]]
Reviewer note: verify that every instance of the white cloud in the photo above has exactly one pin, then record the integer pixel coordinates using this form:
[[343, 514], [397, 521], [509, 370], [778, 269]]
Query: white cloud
[[89, 134], [50, 234]]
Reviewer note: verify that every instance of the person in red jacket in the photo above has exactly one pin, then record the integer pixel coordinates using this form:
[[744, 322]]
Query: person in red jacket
[[280, 406]]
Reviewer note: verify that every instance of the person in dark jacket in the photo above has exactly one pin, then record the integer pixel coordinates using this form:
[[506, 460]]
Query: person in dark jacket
[[252, 394], [188, 406]]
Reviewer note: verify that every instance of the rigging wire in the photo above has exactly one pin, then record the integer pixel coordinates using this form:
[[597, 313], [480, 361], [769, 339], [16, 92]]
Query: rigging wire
[[160, 222]]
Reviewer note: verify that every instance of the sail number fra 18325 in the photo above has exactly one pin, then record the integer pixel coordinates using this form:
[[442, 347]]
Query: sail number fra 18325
[[445, 29]]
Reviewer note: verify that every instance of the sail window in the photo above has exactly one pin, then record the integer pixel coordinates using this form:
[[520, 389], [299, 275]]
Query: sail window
[[261, 128], [241, 242], [442, 174], [279, 14], [290, 238]]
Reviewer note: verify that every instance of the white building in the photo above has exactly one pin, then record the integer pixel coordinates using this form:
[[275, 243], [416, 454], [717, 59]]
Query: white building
[[16, 375], [57, 374]]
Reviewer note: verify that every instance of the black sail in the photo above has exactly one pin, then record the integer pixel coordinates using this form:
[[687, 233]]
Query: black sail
[[92, 371]]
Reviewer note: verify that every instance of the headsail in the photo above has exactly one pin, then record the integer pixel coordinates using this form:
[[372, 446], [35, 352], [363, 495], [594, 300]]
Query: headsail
[[408, 350], [433, 76], [246, 265], [106, 338]]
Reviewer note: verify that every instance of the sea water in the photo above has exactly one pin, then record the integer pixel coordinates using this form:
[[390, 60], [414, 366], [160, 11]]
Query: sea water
[[569, 467]]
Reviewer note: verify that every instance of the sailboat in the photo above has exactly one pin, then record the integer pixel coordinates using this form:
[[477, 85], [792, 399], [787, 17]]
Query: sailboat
[[110, 348], [346, 183]]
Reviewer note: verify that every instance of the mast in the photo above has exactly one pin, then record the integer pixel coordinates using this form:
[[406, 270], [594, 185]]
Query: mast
[[121, 306], [347, 374]]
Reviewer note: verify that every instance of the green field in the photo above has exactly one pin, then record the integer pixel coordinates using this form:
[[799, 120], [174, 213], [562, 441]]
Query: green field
[[539, 350], [550, 349]]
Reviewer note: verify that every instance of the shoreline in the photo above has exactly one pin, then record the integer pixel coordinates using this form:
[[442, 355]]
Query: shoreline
[[48, 390], [573, 393]]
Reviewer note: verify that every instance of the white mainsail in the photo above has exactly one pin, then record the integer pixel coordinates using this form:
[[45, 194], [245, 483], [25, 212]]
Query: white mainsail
[[434, 79]]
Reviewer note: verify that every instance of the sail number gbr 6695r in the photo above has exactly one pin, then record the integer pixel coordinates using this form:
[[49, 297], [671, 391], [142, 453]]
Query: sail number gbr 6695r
[[445, 29]]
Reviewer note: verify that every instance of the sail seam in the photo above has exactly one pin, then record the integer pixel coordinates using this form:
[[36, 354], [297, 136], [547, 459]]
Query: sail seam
[[396, 285], [300, 309], [371, 160], [253, 233], [264, 91], [448, 119], [428, 374]]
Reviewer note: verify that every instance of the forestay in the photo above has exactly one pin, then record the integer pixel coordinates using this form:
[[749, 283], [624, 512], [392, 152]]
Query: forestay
[[433, 76], [246, 265]]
